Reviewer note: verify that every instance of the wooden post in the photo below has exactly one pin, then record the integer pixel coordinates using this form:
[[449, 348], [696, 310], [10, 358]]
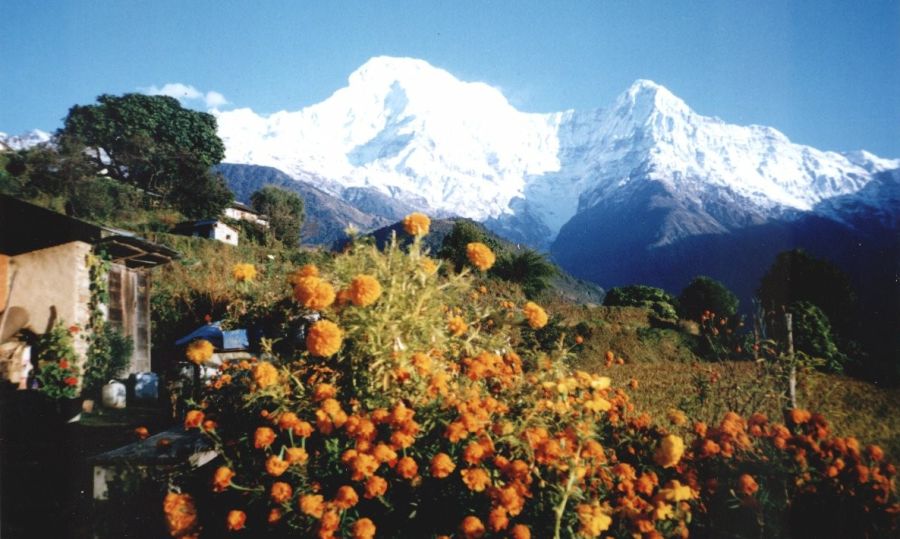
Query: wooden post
[[792, 380]]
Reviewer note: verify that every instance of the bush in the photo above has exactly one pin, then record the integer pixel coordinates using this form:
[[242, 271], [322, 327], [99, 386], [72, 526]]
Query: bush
[[812, 334], [107, 357], [528, 268], [411, 409], [656, 299], [706, 295]]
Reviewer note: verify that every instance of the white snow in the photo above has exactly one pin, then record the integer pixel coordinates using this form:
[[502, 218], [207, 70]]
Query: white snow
[[407, 129], [25, 140]]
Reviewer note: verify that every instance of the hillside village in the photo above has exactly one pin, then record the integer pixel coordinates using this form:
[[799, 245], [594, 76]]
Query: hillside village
[[125, 303]]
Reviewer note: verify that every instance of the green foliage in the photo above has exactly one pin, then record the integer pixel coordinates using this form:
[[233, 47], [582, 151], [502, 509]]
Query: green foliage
[[705, 294], [658, 300], [155, 144], [797, 276], [528, 268], [108, 356], [284, 210], [812, 335], [55, 353]]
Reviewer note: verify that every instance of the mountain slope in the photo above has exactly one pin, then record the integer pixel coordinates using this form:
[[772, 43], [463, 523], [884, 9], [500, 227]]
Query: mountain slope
[[418, 135], [326, 216]]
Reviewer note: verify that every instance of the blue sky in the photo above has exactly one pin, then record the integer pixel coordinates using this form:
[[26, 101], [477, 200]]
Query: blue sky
[[825, 73]]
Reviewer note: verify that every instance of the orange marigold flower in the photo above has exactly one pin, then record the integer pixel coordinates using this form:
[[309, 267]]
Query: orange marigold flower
[[312, 505], [747, 485], [442, 465], [181, 514], [263, 437], [324, 338], [520, 531], [281, 492], [384, 453], [324, 391], [303, 429], [669, 452], [264, 374], [199, 351], [287, 420], [875, 452], [416, 224], [364, 290], [498, 519], [676, 417], [314, 293], [471, 527], [309, 270], [363, 528], [480, 255], [457, 326], [800, 416], [243, 272], [275, 466], [473, 453], [236, 520], [535, 314], [296, 455], [593, 519], [346, 497], [674, 491], [375, 486], [362, 466], [428, 266], [476, 479], [222, 478], [275, 515], [407, 468], [141, 432], [193, 419]]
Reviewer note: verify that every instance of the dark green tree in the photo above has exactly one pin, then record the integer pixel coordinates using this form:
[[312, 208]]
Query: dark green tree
[[658, 300], [529, 268], [155, 144], [797, 276], [284, 210], [706, 294]]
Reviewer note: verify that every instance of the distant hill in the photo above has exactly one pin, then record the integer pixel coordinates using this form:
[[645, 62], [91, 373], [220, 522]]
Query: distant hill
[[326, 216]]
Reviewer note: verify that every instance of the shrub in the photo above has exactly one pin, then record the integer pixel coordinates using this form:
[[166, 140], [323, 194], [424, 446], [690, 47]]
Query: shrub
[[812, 334], [58, 374], [107, 357], [419, 413], [528, 268], [706, 295], [656, 299]]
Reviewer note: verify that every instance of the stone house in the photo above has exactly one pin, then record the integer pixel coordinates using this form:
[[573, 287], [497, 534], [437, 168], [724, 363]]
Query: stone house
[[242, 212], [45, 276], [208, 228]]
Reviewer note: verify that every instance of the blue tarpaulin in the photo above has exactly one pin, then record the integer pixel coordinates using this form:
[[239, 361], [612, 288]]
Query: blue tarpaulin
[[235, 339]]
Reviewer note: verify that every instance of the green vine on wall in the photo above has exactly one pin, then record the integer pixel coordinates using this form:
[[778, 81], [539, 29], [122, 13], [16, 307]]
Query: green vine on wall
[[109, 351], [98, 267]]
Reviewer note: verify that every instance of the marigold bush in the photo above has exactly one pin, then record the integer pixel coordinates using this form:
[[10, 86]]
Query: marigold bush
[[423, 415]]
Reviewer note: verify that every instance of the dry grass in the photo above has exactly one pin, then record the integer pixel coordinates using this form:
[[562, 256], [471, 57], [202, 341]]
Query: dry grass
[[670, 375]]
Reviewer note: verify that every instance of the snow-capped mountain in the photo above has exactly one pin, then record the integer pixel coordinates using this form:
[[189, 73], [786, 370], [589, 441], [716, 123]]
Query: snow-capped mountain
[[412, 131], [24, 140]]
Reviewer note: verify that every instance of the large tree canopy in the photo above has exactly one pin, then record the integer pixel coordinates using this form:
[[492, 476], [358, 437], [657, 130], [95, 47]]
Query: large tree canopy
[[155, 144], [284, 210], [797, 276], [706, 294]]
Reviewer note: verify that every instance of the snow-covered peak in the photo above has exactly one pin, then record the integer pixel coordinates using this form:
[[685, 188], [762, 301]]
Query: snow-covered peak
[[411, 130], [645, 98], [25, 140]]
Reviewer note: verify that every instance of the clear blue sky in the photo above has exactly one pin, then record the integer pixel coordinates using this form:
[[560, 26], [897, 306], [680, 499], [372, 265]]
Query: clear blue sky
[[826, 73]]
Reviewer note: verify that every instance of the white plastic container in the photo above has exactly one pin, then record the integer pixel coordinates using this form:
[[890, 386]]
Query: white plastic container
[[114, 395]]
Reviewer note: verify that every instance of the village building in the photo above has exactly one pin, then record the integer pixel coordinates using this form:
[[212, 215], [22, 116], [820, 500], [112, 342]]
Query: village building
[[242, 212], [213, 229], [46, 278]]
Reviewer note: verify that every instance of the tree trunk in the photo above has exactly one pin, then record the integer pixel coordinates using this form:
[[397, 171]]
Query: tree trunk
[[792, 380]]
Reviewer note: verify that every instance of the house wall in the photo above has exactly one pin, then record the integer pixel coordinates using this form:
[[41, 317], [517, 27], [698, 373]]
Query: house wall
[[225, 234], [129, 311], [55, 279]]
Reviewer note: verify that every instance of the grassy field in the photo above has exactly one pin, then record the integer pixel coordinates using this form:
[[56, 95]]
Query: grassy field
[[670, 374]]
